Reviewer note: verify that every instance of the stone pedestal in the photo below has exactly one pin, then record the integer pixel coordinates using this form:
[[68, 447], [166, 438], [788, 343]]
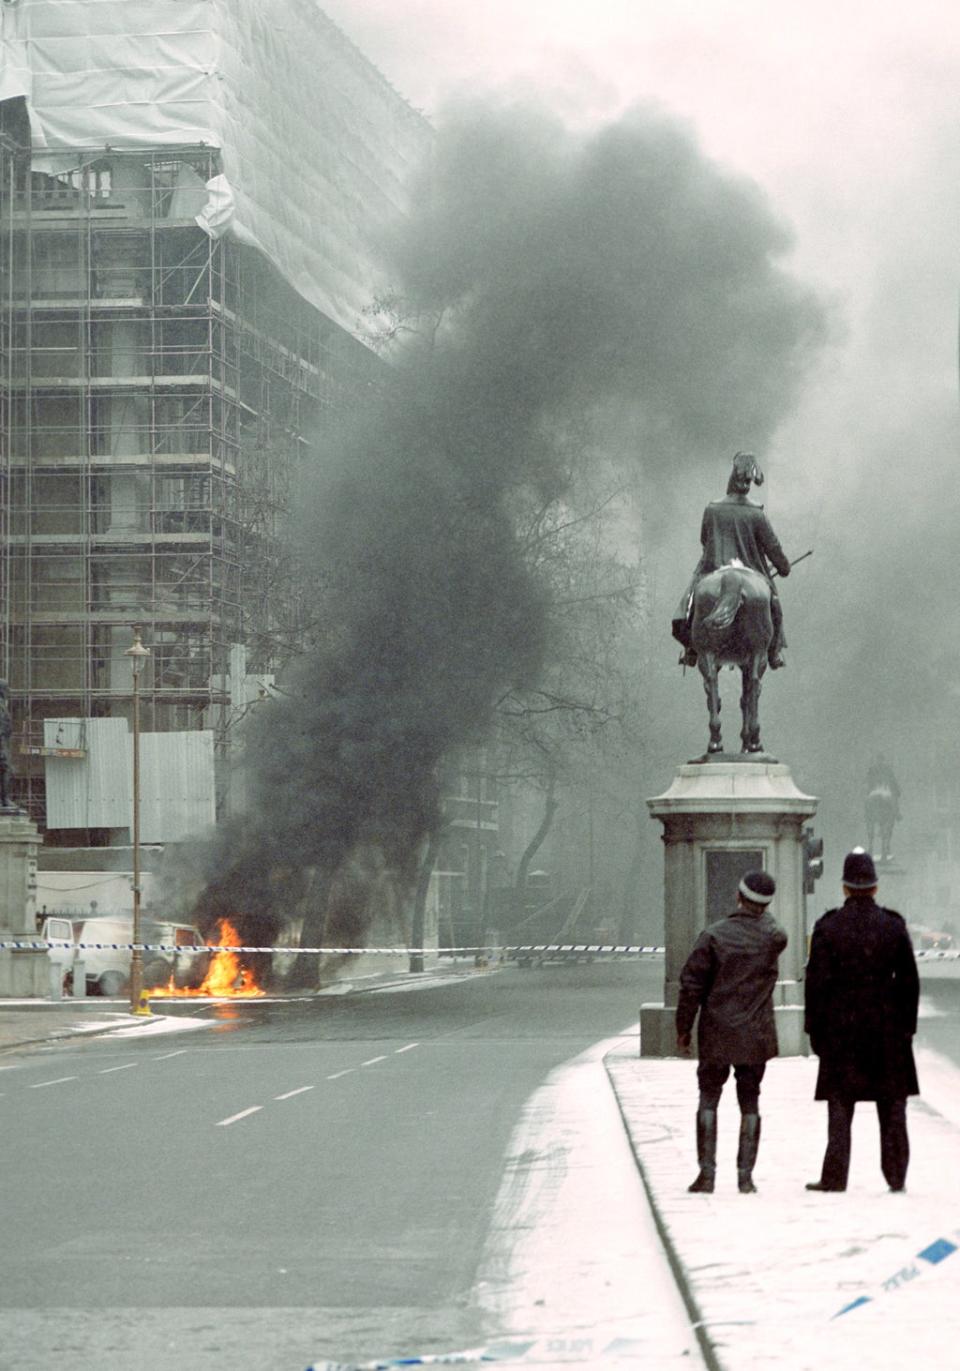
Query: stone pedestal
[[888, 868], [721, 818], [21, 972]]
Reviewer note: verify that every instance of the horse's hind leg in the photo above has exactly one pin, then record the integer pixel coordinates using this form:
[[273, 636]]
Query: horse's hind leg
[[711, 685], [750, 708]]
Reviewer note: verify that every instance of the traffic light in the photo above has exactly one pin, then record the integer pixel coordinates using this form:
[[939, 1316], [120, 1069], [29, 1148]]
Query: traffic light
[[812, 860]]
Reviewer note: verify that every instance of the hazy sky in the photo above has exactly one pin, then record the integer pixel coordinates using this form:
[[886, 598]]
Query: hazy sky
[[845, 114], [823, 101]]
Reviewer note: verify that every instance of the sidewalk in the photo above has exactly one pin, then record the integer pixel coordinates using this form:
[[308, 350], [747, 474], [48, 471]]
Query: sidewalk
[[766, 1276], [25, 1022]]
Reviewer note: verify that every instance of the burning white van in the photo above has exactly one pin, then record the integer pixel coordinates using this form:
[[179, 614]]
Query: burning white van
[[107, 966]]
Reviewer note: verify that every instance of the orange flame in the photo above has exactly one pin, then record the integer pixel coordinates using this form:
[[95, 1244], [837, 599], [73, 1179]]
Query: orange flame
[[225, 975]]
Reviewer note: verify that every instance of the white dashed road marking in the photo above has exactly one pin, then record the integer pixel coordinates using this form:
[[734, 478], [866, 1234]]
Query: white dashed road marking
[[224, 1123], [244, 1113]]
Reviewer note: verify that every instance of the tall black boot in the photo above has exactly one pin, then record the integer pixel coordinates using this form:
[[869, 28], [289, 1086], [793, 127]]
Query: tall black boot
[[778, 642], [747, 1152], [706, 1152]]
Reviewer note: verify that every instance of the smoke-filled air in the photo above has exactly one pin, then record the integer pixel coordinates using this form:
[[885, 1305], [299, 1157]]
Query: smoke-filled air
[[558, 298]]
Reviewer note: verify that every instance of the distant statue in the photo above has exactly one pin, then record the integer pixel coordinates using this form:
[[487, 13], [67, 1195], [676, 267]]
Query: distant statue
[[6, 765], [882, 806], [731, 615]]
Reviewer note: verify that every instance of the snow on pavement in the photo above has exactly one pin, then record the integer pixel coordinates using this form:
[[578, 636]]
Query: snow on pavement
[[573, 1257], [771, 1272], [155, 1025]]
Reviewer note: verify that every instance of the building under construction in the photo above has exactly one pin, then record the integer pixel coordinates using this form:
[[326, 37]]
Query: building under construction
[[184, 259]]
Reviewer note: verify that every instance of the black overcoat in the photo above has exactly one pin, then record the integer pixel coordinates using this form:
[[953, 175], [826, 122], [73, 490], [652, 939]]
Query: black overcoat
[[862, 992], [729, 976]]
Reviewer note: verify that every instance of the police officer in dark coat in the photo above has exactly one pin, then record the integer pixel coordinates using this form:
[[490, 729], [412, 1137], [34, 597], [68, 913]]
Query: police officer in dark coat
[[729, 977], [862, 992]]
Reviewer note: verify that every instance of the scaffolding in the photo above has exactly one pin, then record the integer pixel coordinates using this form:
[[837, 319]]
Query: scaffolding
[[159, 391]]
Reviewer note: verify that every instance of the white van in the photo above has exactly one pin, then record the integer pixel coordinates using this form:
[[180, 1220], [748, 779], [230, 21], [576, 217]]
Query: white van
[[58, 929], [108, 968]]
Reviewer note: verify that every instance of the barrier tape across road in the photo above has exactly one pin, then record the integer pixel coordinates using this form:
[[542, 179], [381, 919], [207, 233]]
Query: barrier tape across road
[[42, 945]]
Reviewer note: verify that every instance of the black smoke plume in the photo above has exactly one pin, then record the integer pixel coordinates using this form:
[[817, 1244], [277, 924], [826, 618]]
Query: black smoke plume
[[616, 283]]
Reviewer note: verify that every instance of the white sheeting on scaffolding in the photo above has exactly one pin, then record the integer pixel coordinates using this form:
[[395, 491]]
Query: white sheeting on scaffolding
[[177, 789], [316, 147]]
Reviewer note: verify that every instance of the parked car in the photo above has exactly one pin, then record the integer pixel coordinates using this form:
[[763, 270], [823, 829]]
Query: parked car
[[930, 939], [107, 968]]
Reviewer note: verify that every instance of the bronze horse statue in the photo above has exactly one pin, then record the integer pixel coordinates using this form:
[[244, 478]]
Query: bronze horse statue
[[733, 626], [881, 814]]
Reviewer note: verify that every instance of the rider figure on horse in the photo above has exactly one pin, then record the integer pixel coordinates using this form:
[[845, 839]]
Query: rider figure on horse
[[736, 529]]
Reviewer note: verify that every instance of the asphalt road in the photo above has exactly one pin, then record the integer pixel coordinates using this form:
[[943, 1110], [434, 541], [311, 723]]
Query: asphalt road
[[303, 1179]]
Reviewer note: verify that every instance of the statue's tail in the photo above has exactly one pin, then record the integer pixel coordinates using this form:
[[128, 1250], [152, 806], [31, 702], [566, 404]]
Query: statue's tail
[[727, 607]]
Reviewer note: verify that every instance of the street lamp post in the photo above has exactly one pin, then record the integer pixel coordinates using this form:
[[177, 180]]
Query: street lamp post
[[137, 654]]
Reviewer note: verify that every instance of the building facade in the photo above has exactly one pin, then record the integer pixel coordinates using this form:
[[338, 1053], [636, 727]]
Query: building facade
[[179, 305]]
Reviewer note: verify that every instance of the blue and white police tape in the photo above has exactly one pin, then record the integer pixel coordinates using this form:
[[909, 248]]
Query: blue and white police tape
[[931, 1255], [529, 1352], [510, 949], [506, 1352], [45, 945]]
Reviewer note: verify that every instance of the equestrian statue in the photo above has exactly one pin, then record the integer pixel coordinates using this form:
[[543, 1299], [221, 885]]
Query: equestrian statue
[[731, 614], [882, 807]]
